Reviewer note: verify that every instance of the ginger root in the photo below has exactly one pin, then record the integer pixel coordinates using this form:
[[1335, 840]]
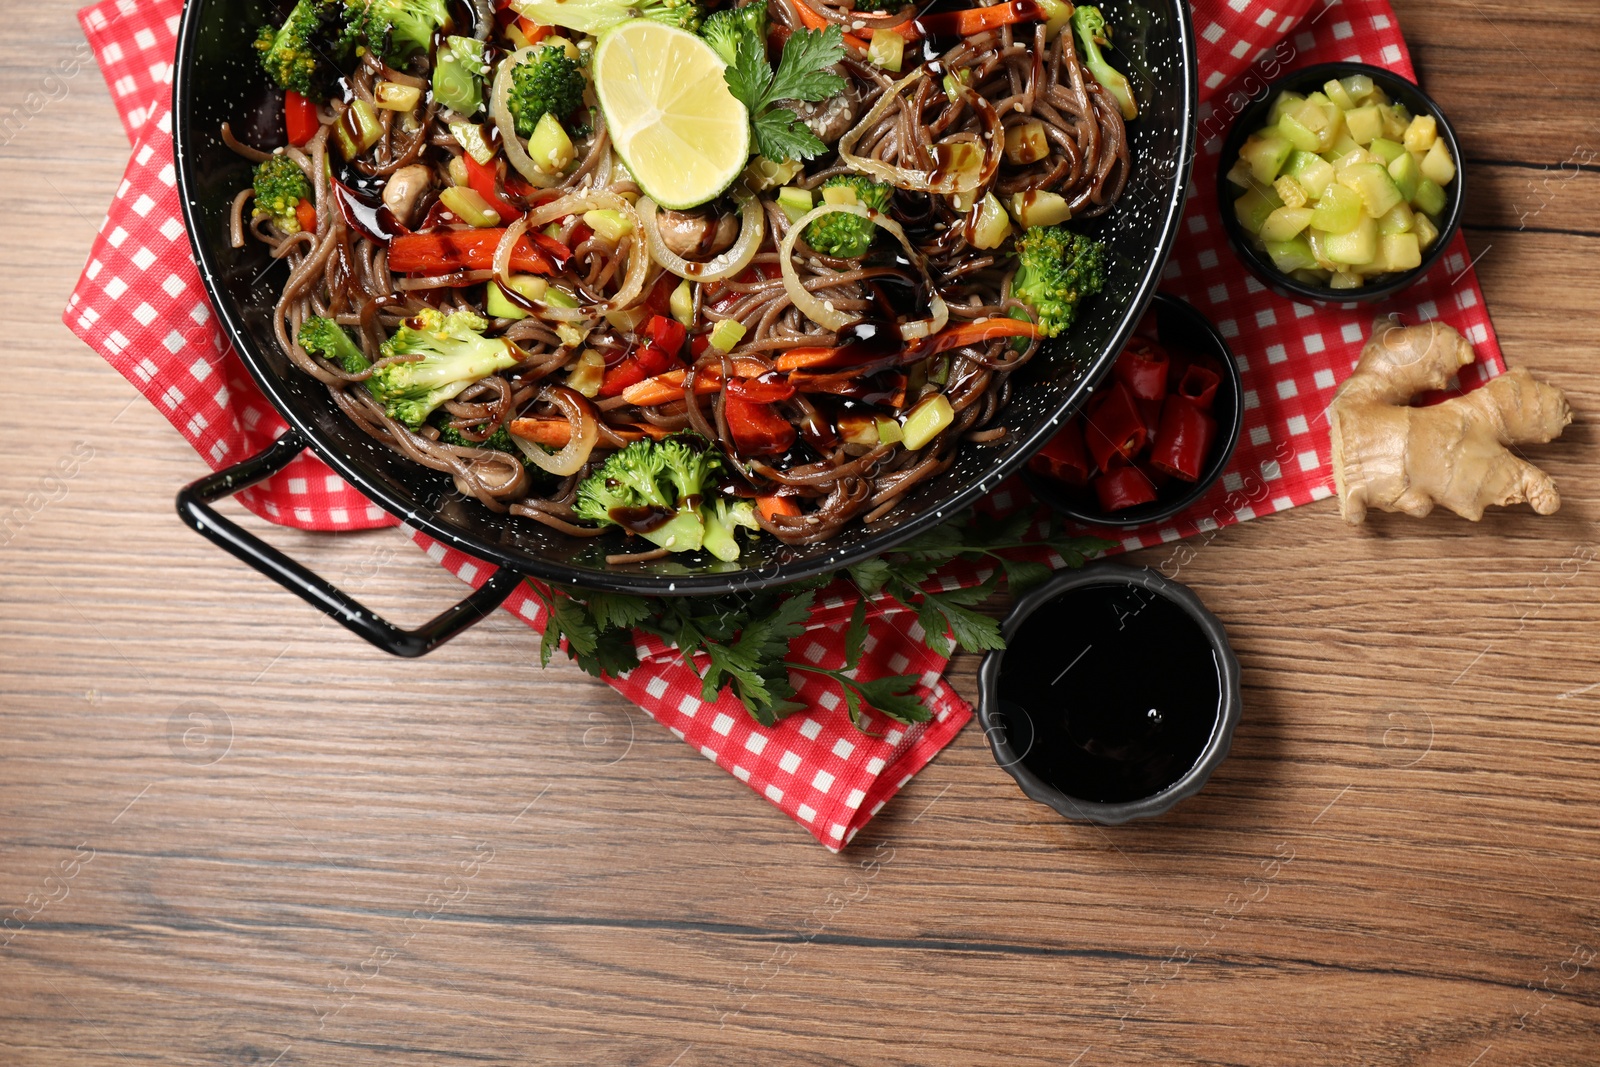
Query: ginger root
[[1391, 456]]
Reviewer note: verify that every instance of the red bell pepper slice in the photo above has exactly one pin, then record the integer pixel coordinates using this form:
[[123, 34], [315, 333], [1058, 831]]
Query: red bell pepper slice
[[299, 118], [1184, 440], [453, 250], [666, 334], [1123, 487], [759, 392], [757, 429], [1114, 430], [1199, 385], [644, 362], [1142, 367], [482, 179], [1064, 457]]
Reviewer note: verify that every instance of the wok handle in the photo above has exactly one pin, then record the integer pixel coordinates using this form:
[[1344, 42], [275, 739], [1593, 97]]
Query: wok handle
[[194, 508]]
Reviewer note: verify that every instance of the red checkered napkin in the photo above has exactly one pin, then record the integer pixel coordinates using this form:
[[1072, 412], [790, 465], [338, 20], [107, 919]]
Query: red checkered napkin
[[140, 304]]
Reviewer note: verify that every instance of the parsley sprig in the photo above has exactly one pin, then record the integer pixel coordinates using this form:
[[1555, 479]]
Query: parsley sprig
[[740, 642], [802, 75]]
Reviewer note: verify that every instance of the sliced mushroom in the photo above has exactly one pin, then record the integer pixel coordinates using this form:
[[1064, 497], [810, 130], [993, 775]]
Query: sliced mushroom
[[832, 118], [698, 234], [404, 189]]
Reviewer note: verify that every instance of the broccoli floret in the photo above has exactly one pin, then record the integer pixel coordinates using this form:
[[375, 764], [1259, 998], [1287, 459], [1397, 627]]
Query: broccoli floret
[[280, 185], [454, 355], [1093, 34], [842, 234], [722, 519], [304, 53], [723, 30], [676, 476], [548, 81], [395, 30], [326, 338], [1056, 269], [597, 16]]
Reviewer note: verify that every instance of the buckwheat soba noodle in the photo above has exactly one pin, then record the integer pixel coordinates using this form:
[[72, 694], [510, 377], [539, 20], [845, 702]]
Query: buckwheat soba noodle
[[488, 278]]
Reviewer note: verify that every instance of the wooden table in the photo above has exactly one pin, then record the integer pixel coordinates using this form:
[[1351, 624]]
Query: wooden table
[[243, 837]]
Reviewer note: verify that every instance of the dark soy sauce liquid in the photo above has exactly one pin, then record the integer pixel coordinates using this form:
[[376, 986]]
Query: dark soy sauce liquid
[[1121, 689]]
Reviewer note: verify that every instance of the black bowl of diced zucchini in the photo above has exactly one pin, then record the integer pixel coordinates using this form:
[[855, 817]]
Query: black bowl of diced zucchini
[[1340, 184]]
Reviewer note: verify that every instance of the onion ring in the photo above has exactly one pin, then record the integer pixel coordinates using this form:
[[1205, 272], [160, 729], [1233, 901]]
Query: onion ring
[[585, 431], [752, 228], [820, 313]]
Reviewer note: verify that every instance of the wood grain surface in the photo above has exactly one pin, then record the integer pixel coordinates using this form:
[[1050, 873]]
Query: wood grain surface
[[237, 835]]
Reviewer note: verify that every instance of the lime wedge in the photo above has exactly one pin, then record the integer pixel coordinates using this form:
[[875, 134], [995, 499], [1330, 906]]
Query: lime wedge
[[680, 131]]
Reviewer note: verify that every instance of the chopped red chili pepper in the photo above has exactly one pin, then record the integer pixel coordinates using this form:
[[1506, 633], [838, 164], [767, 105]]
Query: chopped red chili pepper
[[1064, 457], [482, 178], [452, 250], [1123, 487], [759, 392], [1142, 367], [1114, 429], [1184, 440], [1199, 385]]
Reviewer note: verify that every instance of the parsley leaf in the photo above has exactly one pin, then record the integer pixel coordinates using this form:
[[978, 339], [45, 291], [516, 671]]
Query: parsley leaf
[[780, 136], [802, 75]]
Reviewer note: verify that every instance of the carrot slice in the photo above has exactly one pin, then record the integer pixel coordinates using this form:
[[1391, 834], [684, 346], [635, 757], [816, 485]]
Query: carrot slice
[[814, 21], [770, 506]]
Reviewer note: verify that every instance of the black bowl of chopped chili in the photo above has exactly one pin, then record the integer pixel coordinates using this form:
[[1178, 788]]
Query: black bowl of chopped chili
[[1158, 433]]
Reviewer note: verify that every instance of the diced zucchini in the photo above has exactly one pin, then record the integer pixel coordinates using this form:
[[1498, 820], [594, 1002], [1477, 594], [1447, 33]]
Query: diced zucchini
[[1338, 211], [1256, 204], [469, 135], [1406, 174], [611, 225], [392, 96], [1437, 166], [1359, 86], [1310, 276], [726, 333], [1426, 231], [457, 169], [887, 50], [1320, 117], [469, 206], [1386, 150], [794, 202], [1266, 153], [1284, 223], [1399, 251], [992, 226], [1056, 15], [368, 130], [1297, 134], [550, 147], [1312, 173], [1292, 254], [629, 320], [1318, 240], [1378, 191], [1430, 198], [1364, 124], [1239, 173], [1338, 94], [1358, 246], [529, 286], [1377, 96], [1343, 279], [1289, 191], [926, 421], [1027, 143], [1421, 134], [1398, 219], [1342, 148], [681, 302], [1041, 209], [889, 431], [1395, 120], [586, 373], [856, 428], [1281, 106]]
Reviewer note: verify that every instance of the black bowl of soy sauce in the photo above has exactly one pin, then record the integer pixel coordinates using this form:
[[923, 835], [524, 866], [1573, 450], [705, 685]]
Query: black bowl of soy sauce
[[1115, 697]]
